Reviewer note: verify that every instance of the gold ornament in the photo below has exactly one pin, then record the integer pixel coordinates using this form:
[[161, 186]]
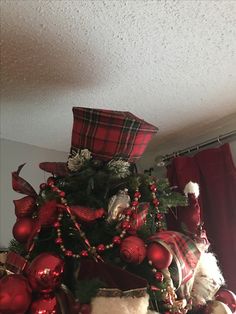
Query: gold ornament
[[117, 204]]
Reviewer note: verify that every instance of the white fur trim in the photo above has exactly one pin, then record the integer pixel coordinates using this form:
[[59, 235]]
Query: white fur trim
[[207, 281], [191, 188], [116, 305]]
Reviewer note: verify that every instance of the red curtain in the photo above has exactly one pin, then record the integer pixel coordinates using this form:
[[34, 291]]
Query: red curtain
[[214, 171]]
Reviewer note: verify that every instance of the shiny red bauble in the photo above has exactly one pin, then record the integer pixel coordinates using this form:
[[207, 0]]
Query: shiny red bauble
[[22, 229], [45, 305], [25, 206], [133, 250], [160, 257], [15, 294], [227, 297], [45, 272]]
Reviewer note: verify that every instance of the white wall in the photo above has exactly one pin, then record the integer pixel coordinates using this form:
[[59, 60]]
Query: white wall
[[13, 154]]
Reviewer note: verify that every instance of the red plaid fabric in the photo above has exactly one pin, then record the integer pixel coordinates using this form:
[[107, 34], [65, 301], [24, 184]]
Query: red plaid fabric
[[109, 134], [184, 250]]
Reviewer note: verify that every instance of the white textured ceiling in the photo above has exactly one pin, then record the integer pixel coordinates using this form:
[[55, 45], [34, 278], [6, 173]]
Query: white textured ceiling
[[172, 63]]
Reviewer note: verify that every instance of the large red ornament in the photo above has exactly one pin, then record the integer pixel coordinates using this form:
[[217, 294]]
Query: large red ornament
[[45, 272], [45, 305], [15, 294], [22, 229], [133, 250], [227, 297], [24, 207], [160, 257]]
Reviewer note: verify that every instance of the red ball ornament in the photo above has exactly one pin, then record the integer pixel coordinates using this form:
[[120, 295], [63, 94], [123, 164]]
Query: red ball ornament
[[45, 305], [227, 297], [15, 294], [24, 207], [22, 229], [160, 257], [133, 250], [45, 272]]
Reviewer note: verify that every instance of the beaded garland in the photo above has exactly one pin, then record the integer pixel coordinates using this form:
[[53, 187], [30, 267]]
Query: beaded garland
[[125, 222]]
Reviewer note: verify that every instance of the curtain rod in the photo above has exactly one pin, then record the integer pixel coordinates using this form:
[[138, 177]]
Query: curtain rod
[[198, 146]]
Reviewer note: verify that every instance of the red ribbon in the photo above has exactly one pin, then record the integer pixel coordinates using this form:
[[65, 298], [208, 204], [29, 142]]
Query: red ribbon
[[20, 185]]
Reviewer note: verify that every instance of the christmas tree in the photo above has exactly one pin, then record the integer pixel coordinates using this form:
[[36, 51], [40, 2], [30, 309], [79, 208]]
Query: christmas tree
[[99, 228]]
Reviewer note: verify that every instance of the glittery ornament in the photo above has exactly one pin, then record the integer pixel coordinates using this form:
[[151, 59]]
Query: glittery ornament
[[133, 250], [45, 272]]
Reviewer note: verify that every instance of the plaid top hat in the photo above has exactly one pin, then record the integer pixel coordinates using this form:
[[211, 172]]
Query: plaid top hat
[[109, 134]]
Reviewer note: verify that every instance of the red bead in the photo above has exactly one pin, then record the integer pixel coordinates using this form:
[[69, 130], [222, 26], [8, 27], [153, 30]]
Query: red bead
[[50, 181], [160, 216], [101, 247], [43, 186], [128, 212], [155, 202], [57, 224], [68, 253], [134, 203], [137, 194], [133, 250], [116, 240], [159, 276], [153, 187], [55, 189], [58, 241], [125, 225], [84, 253], [62, 194]]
